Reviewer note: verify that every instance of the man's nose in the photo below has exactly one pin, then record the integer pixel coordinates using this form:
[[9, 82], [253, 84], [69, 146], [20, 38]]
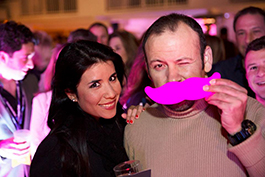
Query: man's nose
[[173, 74], [30, 63], [249, 38], [261, 71]]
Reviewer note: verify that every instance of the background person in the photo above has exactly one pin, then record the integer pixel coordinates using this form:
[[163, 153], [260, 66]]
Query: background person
[[255, 68], [81, 34], [40, 105], [249, 24], [217, 47], [125, 44], [16, 93], [100, 31]]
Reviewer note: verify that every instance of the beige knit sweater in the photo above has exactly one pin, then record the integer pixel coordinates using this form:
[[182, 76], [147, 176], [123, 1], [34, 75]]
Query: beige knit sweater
[[193, 143]]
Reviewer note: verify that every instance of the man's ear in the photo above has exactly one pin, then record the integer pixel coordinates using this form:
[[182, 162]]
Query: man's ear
[[71, 95], [4, 57], [208, 59]]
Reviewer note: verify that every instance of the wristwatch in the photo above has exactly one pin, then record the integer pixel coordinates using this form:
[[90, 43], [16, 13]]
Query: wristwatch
[[248, 129]]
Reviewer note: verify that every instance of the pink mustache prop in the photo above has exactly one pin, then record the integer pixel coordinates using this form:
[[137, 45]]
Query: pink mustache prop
[[176, 92]]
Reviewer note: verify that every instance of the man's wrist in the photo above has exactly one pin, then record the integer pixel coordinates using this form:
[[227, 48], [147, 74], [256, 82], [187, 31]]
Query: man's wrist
[[248, 128]]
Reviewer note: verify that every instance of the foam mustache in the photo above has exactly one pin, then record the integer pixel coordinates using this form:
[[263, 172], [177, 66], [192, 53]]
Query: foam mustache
[[176, 92]]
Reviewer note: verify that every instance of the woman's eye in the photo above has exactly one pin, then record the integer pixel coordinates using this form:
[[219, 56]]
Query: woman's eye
[[113, 78], [95, 84]]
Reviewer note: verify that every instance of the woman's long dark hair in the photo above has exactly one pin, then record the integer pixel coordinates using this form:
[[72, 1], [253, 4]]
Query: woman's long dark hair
[[66, 119]]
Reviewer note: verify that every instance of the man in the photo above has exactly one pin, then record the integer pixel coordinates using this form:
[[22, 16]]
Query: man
[[194, 138], [255, 68], [101, 31], [16, 52], [249, 24]]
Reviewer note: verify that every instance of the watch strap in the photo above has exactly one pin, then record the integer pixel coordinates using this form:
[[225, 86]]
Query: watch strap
[[248, 128]]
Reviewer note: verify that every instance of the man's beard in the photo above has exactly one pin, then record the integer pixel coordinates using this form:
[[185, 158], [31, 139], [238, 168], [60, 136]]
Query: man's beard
[[182, 106]]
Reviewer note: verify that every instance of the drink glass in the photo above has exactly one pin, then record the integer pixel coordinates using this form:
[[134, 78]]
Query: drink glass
[[127, 168], [22, 136]]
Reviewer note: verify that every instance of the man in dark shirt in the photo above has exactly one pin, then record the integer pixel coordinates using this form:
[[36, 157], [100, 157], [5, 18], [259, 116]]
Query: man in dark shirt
[[249, 24], [16, 93]]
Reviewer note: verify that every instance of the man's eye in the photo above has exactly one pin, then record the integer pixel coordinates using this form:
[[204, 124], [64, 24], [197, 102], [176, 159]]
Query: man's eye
[[240, 33], [95, 84], [158, 66], [253, 68], [256, 31]]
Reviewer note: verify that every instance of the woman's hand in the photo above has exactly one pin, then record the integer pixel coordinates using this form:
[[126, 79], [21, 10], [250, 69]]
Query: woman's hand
[[133, 113]]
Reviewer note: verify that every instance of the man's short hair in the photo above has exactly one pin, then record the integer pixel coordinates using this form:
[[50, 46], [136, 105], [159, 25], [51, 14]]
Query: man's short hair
[[13, 35], [248, 10], [256, 45], [43, 39], [98, 24], [171, 22], [81, 34]]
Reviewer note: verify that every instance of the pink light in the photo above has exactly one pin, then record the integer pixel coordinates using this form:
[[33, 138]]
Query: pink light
[[176, 92], [213, 29]]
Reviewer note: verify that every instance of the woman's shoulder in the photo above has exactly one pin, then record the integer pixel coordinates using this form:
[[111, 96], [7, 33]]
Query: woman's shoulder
[[46, 161]]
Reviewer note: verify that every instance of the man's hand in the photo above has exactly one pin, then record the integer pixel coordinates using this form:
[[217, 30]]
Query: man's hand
[[231, 99], [13, 150], [133, 113]]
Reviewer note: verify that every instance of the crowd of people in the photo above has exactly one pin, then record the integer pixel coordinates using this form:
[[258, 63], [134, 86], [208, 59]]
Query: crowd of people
[[81, 99]]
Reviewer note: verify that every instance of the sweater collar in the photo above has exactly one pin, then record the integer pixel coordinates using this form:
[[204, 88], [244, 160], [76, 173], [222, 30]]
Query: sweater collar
[[197, 107]]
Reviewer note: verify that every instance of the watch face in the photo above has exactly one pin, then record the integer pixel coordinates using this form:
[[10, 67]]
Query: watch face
[[249, 126]]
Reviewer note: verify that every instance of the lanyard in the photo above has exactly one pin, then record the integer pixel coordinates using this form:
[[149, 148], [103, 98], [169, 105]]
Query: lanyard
[[17, 117]]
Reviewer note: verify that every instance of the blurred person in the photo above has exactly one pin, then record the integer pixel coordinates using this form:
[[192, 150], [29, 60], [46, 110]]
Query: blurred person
[[249, 24], [42, 56], [101, 31], [255, 68], [134, 96], [40, 105], [217, 47], [16, 93], [220, 135], [125, 44], [229, 47], [43, 50], [86, 137], [81, 34]]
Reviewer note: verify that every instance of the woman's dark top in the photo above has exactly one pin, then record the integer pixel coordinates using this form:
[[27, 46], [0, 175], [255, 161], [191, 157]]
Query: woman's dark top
[[105, 149]]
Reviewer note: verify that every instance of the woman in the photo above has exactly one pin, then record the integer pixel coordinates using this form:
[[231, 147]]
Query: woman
[[125, 44], [86, 137]]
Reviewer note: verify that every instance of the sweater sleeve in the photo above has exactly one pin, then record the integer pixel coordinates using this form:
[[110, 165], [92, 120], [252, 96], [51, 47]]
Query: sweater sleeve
[[251, 152]]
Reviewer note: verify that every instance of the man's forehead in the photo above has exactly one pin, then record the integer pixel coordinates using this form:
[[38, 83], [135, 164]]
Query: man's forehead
[[256, 19], [253, 56]]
